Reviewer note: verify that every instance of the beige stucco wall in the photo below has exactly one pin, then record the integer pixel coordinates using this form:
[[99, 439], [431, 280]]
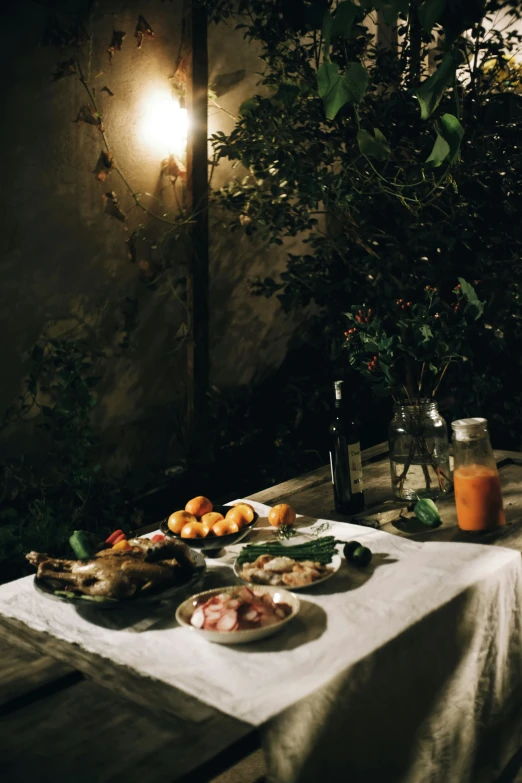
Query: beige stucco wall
[[61, 255]]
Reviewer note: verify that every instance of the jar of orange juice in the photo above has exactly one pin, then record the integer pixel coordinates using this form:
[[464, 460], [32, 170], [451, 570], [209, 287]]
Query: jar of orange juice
[[475, 477]]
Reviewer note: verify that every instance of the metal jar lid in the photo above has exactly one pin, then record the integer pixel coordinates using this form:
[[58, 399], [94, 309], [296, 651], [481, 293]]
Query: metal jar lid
[[469, 429]]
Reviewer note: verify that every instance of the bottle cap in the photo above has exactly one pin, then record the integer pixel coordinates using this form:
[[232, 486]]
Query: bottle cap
[[469, 429]]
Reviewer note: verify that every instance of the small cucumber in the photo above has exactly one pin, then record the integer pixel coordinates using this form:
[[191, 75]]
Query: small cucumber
[[427, 512], [350, 548], [357, 554], [362, 556]]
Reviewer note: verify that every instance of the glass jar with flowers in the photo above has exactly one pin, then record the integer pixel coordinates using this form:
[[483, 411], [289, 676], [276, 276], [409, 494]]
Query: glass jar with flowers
[[404, 347]]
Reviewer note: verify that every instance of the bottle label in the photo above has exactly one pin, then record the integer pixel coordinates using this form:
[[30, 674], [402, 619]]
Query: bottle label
[[355, 462], [331, 468]]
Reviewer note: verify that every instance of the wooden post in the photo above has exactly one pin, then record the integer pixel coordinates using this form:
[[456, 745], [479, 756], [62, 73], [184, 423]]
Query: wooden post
[[197, 208]]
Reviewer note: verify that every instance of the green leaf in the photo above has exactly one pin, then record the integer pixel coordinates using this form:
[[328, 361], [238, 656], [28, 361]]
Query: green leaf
[[430, 13], [386, 372], [447, 144], [426, 332], [287, 94], [369, 343], [345, 16], [326, 31], [336, 90], [470, 295], [248, 106], [441, 150], [314, 15], [461, 15], [374, 146], [385, 343], [430, 93], [390, 8]]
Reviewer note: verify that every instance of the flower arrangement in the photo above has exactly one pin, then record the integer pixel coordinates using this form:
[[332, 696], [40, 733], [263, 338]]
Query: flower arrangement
[[405, 346]]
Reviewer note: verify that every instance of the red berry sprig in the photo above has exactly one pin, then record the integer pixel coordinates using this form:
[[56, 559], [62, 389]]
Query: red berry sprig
[[372, 364], [362, 317]]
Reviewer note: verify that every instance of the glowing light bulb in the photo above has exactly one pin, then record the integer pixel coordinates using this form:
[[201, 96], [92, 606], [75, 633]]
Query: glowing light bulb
[[165, 124]]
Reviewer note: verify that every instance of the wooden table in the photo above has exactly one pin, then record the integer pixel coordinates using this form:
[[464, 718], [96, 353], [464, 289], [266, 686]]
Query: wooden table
[[311, 494], [91, 715]]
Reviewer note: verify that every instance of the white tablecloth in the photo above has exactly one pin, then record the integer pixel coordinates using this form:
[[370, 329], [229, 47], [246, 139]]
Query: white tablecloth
[[409, 670]]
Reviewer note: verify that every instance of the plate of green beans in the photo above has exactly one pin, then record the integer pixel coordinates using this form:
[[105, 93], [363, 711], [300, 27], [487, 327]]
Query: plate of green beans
[[319, 552]]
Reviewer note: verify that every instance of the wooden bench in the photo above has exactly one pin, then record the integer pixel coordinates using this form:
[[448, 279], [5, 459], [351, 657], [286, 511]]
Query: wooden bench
[[56, 725]]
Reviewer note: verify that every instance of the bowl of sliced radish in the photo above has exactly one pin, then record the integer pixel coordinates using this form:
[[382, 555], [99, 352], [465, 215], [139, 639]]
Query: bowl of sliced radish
[[237, 615]]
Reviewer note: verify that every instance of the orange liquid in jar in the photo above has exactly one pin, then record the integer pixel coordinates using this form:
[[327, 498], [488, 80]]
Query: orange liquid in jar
[[478, 498]]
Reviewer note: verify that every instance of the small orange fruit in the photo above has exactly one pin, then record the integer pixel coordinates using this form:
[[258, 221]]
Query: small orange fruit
[[246, 510], [225, 527], [237, 515], [210, 519], [194, 530], [199, 506], [178, 520], [282, 514]]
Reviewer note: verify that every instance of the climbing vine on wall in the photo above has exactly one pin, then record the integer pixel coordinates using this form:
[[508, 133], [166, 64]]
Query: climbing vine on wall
[[42, 499]]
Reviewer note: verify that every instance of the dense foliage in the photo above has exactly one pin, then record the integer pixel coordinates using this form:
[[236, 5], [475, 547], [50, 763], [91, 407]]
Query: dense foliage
[[45, 497], [399, 165]]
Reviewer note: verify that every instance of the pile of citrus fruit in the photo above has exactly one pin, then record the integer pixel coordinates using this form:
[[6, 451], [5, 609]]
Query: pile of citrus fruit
[[199, 520]]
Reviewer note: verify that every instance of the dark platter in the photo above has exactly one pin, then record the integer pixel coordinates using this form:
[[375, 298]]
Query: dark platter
[[112, 603], [212, 544]]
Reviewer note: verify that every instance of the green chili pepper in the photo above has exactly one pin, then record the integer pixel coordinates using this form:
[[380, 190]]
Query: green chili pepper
[[82, 544], [427, 512]]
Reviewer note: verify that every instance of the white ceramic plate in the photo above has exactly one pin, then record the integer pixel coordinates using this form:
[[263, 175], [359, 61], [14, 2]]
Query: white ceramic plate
[[334, 566], [186, 609]]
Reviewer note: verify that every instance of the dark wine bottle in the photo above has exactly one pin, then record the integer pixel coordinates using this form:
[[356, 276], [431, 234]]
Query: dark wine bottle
[[345, 459]]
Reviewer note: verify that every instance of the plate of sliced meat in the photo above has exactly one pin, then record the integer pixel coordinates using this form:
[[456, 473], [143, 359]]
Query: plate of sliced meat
[[287, 572], [236, 615], [146, 572]]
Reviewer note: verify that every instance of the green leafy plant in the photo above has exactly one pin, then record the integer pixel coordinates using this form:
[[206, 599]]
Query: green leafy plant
[[398, 167], [45, 497], [404, 348]]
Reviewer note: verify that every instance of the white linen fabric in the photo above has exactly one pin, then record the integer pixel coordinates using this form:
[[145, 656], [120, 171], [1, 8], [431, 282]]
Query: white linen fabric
[[409, 670]]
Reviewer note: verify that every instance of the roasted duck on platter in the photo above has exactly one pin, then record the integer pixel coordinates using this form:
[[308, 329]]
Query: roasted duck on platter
[[144, 568]]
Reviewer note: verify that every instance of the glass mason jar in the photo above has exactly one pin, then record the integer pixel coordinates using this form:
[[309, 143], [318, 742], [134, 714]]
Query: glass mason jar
[[477, 484], [419, 451]]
